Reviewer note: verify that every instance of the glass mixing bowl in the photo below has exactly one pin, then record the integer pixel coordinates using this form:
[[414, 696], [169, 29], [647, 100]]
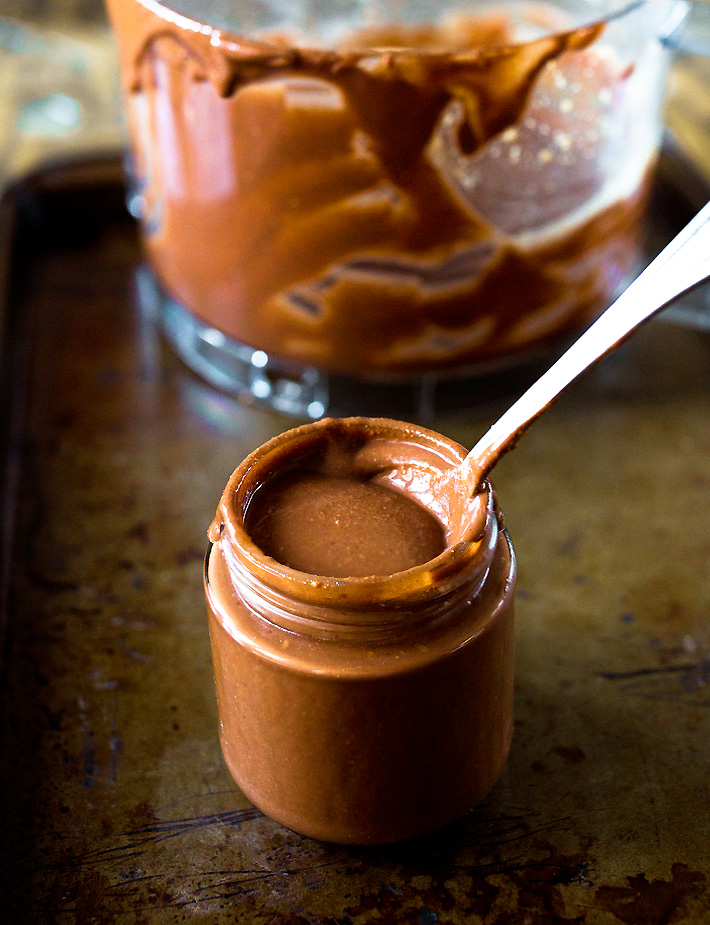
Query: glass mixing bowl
[[343, 200]]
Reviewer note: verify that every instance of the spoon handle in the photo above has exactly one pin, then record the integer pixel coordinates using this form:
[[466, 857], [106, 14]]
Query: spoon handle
[[684, 263]]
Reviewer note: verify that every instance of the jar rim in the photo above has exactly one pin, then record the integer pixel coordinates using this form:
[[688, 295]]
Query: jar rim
[[428, 580]]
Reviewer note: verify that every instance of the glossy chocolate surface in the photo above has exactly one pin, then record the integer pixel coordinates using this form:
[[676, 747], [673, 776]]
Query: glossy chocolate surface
[[340, 526]]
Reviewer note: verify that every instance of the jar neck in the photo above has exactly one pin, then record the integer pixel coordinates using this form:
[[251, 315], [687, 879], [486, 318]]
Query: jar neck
[[379, 609], [377, 606]]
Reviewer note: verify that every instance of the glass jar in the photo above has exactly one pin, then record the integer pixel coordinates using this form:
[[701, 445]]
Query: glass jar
[[363, 710], [342, 198]]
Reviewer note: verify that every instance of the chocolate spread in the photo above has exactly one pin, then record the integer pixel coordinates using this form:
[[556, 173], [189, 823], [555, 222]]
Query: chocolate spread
[[322, 204], [327, 525], [372, 708]]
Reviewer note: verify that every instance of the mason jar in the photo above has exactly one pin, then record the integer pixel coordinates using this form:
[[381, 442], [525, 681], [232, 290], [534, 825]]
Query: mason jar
[[363, 709]]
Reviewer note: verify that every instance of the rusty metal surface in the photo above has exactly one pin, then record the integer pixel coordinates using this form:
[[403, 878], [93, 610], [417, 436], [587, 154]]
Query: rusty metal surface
[[116, 804]]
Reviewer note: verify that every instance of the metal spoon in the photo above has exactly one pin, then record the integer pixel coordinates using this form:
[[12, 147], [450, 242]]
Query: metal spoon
[[683, 264]]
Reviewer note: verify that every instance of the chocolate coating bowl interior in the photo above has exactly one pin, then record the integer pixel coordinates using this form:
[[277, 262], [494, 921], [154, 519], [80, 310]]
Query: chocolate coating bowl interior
[[374, 708], [391, 201]]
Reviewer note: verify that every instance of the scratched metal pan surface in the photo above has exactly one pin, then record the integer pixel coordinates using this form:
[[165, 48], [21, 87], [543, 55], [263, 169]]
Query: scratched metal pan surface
[[116, 805]]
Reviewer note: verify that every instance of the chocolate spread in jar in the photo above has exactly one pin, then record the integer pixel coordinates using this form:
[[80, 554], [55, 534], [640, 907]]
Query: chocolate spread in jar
[[306, 202], [362, 709], [339, 526]]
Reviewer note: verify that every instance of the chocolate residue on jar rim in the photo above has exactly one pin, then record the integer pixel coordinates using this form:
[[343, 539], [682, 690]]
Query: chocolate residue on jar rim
[[405, 459], [374, 452]]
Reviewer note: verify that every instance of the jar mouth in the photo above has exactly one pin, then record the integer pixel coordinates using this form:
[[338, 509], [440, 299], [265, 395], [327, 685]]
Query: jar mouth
[[377, 444], [330, 619]]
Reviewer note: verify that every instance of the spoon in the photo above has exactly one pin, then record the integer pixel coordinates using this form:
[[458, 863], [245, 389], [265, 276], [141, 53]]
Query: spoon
[[683, 264]]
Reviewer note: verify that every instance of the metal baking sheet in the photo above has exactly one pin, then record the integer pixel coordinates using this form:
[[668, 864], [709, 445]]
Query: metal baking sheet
[[116, 803]]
